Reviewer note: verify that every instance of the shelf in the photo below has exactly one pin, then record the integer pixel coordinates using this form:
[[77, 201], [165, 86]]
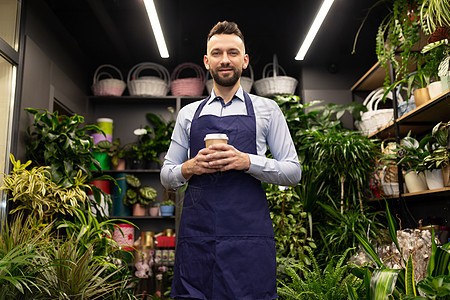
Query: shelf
[[436, 192], [132, 171], [374, 78], [419, 120], [370, 81], [139, 99], [134, 218]]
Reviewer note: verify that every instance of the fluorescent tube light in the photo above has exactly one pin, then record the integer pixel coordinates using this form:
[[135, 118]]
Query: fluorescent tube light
[[156, 26], [314, 29]]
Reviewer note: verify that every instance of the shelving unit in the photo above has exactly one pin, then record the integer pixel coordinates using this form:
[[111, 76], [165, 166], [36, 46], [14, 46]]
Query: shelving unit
[[412, 206], [128, 114]]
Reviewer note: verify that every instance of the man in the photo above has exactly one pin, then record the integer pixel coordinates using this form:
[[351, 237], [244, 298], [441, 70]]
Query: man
[[226, 247]]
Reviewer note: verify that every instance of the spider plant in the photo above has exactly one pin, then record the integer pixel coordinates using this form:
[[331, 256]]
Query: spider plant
[[434, 14], [20, 264]]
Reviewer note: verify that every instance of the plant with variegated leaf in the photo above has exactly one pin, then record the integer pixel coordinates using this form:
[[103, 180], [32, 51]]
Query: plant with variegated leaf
[[33, 190]]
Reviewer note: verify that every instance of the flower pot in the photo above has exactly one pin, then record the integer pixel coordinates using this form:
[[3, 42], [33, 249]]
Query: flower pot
[[139, 210], [167, 210], [120, 209], [434, 179], [446, 175], [120, 164], [445, 83], [415, 182], [154, 211], [151, 165], [103, 159], [435, 89], [136, 164], [421, 96], [104, 185], [124, 235]]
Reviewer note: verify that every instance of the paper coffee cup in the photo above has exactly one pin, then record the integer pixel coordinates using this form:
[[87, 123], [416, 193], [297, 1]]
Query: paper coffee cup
[[215, 138]]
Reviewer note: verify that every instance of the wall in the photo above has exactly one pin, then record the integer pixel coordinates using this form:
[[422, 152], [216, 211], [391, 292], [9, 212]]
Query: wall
[[53, 68]]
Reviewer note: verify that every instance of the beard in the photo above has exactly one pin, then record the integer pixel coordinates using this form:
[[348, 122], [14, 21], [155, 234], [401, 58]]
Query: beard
[[226, 81]]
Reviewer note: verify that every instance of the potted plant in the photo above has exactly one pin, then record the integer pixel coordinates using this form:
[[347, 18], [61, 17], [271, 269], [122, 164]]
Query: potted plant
[[116, 152], [143, 151], [35, 192], [138, 196], [162, 132], [411, 154], [167, 208], [63, 144], [434, 16], [436, 163], [154, 209]]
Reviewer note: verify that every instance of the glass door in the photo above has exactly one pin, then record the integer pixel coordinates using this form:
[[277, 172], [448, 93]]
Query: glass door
[[9, 46]]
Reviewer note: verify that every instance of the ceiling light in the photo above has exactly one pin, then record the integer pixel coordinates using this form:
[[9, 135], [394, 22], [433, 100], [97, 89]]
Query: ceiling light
[[314, 29], [156, 26]]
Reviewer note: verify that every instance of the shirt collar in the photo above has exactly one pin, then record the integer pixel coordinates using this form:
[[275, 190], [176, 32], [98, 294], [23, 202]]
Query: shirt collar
[[238, 95]]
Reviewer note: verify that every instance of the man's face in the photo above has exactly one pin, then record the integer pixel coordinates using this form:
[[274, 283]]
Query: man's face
[[225, 58]]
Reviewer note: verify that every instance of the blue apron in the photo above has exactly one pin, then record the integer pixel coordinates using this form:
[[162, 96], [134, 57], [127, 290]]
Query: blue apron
[[226, 246]]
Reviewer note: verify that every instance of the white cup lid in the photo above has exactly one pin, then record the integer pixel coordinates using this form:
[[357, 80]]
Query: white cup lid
[[106, 120], [216, 136]]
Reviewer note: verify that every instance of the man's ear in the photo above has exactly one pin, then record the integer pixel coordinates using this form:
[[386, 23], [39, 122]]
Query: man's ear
[[246, 61], [206, 62]]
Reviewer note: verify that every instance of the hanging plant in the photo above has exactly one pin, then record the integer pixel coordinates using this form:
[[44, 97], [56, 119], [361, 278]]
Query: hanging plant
[[434, 14]]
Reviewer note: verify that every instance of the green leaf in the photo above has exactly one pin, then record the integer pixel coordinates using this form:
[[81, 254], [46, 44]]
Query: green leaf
[[369, 249], [410, 284], [382, 283]]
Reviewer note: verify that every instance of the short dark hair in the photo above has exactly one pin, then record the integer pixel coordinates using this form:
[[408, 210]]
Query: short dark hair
[[226, 27]]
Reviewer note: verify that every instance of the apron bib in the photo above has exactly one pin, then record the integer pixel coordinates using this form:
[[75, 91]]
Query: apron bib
[[226, 247]]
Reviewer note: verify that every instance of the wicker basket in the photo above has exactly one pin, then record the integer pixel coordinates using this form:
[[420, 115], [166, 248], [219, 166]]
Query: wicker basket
[[192, 86], [156, 86], [246, 82], [108, 86], [376, 118], [276, 85]]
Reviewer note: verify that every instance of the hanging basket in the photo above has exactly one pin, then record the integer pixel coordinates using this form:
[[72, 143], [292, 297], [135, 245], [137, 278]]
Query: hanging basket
[[246, 82], [193, 86], [156, 86], [276, 85], [109, 86]]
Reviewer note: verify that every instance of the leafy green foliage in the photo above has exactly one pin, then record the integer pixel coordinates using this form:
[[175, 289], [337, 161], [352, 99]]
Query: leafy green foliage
[[58, 141], [311, 282], [288, 220], [400, 283], [19, 243], [136, 193], [336, 166], [34, 191], [162, 131]]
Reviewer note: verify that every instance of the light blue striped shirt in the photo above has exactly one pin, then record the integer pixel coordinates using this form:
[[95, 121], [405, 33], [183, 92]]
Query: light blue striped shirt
[[271, 131]]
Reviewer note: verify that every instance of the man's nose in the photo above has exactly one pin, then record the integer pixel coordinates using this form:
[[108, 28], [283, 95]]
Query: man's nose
[[225, 60]]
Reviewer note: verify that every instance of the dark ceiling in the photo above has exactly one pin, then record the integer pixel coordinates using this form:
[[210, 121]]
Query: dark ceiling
[[118, 31]]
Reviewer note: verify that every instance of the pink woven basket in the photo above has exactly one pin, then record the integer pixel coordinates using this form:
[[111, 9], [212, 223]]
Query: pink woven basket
[[193, 86], [108, 86]]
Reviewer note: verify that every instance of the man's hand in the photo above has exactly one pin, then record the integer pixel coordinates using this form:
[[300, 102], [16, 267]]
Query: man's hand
[[218, 157]]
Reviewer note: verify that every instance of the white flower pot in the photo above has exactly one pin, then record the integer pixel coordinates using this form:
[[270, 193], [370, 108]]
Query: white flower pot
[[434, 179], [445, 83], [435, 89], [415, 182]]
